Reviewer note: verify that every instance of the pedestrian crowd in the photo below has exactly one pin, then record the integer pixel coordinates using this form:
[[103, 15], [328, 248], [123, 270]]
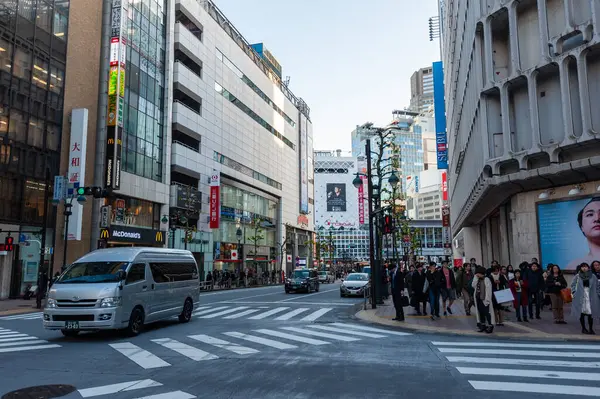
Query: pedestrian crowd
[[493, 291]]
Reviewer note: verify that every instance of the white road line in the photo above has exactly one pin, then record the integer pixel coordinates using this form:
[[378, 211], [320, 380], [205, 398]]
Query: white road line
[[220, 343], [115, 388], [233, 301], [140, 356], [503, 345], [201, 312], [10, 337], [339, 330], [523, 362], [505, 386], [20, 337], [376, 330], [7, 333], [185, 350], [170, 395], [241, 314], [199, 308], [291, 314], [28, 348], [588, 355], [267, 313], [530, 373], [315, 315], [304, 296], [38, 316], [291, 337], [20, 316], [321, 334], [28, 342], [224, 312], [259, 340]]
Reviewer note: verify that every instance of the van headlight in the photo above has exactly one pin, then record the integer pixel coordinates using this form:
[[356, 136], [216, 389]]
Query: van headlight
[[51, 303], [111, 302]]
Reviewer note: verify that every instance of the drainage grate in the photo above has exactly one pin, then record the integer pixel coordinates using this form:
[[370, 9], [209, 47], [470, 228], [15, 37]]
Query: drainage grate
[[41, 392]]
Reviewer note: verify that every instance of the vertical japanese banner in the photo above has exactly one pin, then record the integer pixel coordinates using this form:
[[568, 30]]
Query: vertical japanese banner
[[444, 186], [361, 204], [215, 200], [76, 172], [116, 94]]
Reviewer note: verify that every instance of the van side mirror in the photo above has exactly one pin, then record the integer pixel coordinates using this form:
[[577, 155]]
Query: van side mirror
[[121, 275]]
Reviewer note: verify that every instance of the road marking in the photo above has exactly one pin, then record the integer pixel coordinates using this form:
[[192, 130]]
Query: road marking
[[170, 395], [224, 312], [364, 328], [314, 316], [259, 340], [339, 330], [291, 314], [22, 315], [523, 362], [241, 314], [140, 356], [7, 333], [294, 303], [267, 313], [11, 337], [28, 348], [28, 342], [291, 337], [530, 373], [201, 312], [321, 334], [530, 346], [21, 337], [185, 350], [199, 308], [304, 296], [115, 388], [519, 352], [505, 386], [220, 343]]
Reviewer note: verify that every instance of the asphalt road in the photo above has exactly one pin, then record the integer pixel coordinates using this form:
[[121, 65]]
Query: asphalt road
[[261, 343]]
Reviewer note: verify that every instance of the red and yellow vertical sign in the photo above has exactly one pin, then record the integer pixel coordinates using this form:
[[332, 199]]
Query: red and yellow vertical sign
[[215, 200]]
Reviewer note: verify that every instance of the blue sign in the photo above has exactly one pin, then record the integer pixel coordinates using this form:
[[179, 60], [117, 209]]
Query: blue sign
[[439, 106]]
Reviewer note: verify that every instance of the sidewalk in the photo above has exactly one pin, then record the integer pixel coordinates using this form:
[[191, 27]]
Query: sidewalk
[[461, 324], [10, 307]]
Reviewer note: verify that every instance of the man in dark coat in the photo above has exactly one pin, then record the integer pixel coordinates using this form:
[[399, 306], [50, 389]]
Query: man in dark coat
[[435, 280], [397, 278], [535, 286], [418, 283]]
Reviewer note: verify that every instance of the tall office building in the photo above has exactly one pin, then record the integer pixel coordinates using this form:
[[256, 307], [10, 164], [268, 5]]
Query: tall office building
[[521, 92], [421, 90], [33, 48]]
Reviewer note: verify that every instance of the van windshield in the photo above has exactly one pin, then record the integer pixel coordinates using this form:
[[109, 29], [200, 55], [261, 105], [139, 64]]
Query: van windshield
[[92, 272]]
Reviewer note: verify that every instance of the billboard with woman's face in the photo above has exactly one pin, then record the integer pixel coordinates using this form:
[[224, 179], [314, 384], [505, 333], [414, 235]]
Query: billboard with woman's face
[[569, 231]]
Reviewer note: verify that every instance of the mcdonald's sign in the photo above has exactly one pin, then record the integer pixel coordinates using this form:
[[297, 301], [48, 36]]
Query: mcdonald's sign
[[104, 234], [133, 235], [159, 237]]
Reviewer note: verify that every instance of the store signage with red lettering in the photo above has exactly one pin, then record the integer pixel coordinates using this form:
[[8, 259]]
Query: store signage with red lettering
[[361, 202], [215, 200], [444, 186]]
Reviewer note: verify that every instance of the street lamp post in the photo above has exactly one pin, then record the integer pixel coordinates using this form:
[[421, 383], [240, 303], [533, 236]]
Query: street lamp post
[[238, 234], [393, 180]]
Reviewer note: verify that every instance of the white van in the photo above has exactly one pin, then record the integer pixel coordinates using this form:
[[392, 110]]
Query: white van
[[123, 288]]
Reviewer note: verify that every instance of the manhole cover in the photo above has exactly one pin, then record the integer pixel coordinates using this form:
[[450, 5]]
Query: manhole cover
[[41, 392]]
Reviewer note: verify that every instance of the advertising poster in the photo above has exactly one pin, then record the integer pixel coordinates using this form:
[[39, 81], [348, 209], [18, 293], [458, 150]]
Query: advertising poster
[[336, 197], [569, 232]]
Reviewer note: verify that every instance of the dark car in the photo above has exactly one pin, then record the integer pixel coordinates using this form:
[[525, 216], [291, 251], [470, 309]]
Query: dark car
[[302, 280]]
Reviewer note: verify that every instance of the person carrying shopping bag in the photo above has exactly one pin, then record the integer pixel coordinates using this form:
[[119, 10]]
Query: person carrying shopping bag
[[586, 302]]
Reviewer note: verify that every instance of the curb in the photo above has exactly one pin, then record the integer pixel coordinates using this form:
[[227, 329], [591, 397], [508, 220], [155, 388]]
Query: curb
[[370, 317]]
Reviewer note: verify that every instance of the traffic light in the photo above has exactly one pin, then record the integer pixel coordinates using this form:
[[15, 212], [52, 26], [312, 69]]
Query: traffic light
[[9, 244], [388, 224], [96, 192]]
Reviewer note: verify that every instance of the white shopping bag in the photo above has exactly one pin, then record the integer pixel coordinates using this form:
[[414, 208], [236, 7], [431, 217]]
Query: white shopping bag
[[504, 296]]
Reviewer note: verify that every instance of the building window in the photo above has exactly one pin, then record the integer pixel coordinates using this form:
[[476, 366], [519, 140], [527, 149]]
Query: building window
[[33, 210], [40, 72], [43, 18], [22, 64], [6, 50], [135, 212], [60, 25], [222, 159]]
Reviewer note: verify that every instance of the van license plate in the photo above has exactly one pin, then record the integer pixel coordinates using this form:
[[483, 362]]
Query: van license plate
[[71, 325]]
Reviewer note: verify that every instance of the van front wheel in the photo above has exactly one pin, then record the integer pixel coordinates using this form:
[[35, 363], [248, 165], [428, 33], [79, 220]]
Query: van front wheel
[[136, 322], [186, 313]]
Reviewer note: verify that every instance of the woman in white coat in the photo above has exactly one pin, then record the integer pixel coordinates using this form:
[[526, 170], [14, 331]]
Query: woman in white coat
[[482, 288]]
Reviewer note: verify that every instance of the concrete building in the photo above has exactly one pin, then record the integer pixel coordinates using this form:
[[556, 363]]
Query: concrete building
[[421, 90], [520, 92], [424, 200]]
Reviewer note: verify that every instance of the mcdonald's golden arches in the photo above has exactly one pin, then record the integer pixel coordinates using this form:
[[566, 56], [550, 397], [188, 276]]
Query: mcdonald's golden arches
[[159, 236], [104, 234]]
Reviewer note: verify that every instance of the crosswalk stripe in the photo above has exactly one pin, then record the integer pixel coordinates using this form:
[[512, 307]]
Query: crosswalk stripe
[[140, 356], [523, 362], [20, 337], [530, 373], [120, 387], [220, 343], [519, 352], [574, 390], [339, 330], [7, 333], [28, 348], [291, 314], [224, 312], [242, 314], [37, 316], [321, 334], [170, 395], [292, 337], [315, 315], [267, 313], [28, 342], [260, 340], [185, 350], [199, 308], [9, 337], [503, 345], [201, 312], [376, 330], [20, 316]]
